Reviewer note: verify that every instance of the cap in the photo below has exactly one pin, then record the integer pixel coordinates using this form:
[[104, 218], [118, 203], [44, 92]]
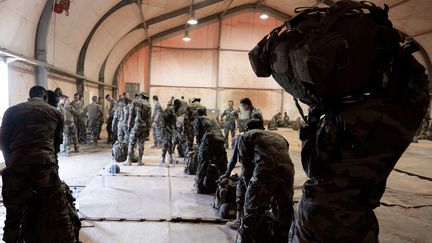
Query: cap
[[195, 99]]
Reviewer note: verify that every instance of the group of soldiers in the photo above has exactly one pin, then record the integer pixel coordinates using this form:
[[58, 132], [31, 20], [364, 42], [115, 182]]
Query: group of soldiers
[[278, 121]]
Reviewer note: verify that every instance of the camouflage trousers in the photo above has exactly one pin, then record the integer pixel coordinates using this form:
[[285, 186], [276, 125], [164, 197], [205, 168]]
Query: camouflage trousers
[[270, 190], [227, 129], [210, 151], [189, 135], [122, 133], [36, 189], [111, 133], [272, 125], [70, 136], [81, 129], [94, 129], [167, 142], [157, 135], [137, 138]]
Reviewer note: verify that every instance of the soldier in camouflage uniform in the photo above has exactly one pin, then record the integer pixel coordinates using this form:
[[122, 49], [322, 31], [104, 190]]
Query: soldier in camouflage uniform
[[268, 173], [139, 124], [157, 127], [179, 138], [168, 126], [273, 124], [286, 120], [112, 109], [120, 120], [247, 112], [230, 115], [77, 109], [95, 114], [348, 152], [190, 117], [30, 138], [69, 132], [211, 146]]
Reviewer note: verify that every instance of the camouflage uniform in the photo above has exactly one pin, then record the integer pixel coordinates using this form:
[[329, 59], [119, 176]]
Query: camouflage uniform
[[179, 138], [273, 124], [286, 120], [139, 124], [77, 109], [31, 134], [112, 110], [211, 144], [157, 110], [245, 116], [349, 154], [69, 130], [120, 121], [268, 172], [168, 126], [230, 115], [95, 114], [190, 116]]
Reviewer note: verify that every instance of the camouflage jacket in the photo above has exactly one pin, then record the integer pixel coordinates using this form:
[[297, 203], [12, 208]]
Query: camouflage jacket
[[94, 111], [139, 114], [191, 115], [168, 120], [203, 126], [31, 134], [230, 115]]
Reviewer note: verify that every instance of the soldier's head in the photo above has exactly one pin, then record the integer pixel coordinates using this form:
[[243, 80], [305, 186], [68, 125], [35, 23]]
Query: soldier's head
[[177, 105], [126, 95], [66, 100], [254, 124], [201, 112], [195, 99], [144, 95], [230, 104], [108, 97], [94, 99], [100, 100], [76, 97], [285, 114], [246, 104], [38, 92], [53, 99], [182, 97], [155, 98]]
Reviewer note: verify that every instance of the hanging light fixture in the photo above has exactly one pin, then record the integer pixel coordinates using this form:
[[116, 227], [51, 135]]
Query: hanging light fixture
[[264, 15], [186, 36], [192, 19]]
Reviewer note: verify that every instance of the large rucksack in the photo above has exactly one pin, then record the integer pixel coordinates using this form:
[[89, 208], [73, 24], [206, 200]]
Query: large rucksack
[[225, 197], [120, 150], [191, 161], [324, 54]]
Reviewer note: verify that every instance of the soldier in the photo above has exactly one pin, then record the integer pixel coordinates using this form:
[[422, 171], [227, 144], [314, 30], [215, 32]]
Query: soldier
[[30, 138], [247, 112], [69, 131], [211, 146], [139, 124], [77, 109], [95, 114], [168, 126], [285, 122], [273, 124], [101, 119], [190, 116], [268, 173], [171, 101], [230, 115], [112, 109], [157, 110], [120, 120]]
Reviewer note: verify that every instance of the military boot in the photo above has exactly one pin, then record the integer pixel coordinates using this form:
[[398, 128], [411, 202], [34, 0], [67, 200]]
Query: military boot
[[172, 161], [128, 161], [162, 163], [236, 223]]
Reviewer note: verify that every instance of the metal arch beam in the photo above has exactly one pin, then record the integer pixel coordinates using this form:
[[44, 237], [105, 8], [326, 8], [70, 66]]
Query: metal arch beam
[[83, 52], [41, 43], [202, 21]]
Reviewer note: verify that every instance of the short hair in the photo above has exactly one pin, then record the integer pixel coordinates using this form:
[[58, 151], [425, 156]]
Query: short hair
[[182, 97], [106, 96], [202, 112], [230, 101], [76, 94], [52, 98], [38, 91], [94, 98], [155, 97], [246, 101]]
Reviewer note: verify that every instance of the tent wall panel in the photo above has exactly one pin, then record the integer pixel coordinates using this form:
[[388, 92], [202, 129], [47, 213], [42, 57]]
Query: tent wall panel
[[135, 70], [67, 85], [208, 96], [21, 79]]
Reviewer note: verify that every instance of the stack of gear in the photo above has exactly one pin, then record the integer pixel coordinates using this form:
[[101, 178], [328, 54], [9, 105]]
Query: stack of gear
[[225, 198], [191, 161], [120, 150], [210, 179], [367, 96]]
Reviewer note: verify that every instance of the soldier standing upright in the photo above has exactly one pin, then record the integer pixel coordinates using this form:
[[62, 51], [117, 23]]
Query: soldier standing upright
[[77, 109], [190, 115], [139, 124], [113, 106], [247, 111], [94, 117], [30, 138], [230, 115], [168, 126], [120, 120], [69, 131], [157, 110]]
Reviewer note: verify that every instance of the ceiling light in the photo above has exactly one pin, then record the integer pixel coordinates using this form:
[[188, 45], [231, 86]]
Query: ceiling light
[[186, 36], [264, 15], [192, 19]]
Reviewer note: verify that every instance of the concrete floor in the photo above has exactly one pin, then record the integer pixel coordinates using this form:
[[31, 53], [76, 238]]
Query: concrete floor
[[160, 194]]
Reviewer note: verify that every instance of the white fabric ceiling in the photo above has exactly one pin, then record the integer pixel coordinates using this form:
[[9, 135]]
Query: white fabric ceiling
[[116, 35]]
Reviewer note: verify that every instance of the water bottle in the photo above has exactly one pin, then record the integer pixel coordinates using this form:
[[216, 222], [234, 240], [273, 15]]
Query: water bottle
[[113, 166], [104, 178], [75, 195]]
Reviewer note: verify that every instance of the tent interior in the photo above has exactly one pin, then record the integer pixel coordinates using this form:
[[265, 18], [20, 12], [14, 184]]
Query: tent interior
[[102, 47]]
